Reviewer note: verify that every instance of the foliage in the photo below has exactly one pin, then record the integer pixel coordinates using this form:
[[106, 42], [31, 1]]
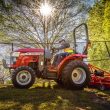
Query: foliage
[[99, 30], [106, 23], [4, 38]]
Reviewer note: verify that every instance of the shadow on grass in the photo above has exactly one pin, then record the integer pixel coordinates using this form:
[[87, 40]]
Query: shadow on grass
[[53, 98]]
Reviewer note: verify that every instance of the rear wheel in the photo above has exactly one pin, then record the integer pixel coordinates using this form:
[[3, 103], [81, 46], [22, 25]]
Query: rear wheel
[[76, 75], [23, 77]]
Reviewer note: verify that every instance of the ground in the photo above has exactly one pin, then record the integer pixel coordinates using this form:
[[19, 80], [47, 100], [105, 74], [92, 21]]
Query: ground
[[43, 96]]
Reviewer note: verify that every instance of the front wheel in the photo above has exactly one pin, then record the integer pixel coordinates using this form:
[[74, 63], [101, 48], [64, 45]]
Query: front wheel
[[23, 77], [76, 75]]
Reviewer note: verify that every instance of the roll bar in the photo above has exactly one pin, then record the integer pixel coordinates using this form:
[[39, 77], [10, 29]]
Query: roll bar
[[74, 35]]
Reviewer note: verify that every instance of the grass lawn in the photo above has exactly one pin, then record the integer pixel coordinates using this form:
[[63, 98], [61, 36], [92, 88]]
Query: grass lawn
[[45, 97]]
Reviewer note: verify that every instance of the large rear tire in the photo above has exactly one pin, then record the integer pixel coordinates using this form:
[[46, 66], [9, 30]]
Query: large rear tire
[[23, 77], [76, 75]]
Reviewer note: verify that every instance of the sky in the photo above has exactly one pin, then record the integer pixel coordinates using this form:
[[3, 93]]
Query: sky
[[91, 1]]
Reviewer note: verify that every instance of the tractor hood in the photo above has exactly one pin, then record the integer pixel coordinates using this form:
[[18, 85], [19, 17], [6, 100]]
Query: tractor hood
[[25, 50], [36, 50]]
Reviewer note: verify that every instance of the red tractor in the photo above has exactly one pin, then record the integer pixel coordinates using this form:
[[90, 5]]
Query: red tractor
[[72, 72]]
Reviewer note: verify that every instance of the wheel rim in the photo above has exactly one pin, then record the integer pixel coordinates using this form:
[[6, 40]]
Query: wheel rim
[[78, 75], [23, 77]]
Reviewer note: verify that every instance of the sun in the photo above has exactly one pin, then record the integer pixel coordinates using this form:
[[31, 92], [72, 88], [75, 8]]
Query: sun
[[45, 9]]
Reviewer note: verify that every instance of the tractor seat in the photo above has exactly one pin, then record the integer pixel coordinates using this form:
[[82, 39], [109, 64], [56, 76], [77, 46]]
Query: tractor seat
[[64, 55]]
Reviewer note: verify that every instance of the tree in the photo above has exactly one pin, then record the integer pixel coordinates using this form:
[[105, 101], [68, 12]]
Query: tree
[[98, 23], [106, 22], [25, 23]]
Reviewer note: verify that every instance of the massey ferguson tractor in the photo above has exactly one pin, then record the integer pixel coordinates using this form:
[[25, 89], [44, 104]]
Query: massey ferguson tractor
[[72, 71]]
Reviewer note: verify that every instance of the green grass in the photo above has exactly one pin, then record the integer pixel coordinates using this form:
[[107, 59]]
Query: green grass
[[45, 97]]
